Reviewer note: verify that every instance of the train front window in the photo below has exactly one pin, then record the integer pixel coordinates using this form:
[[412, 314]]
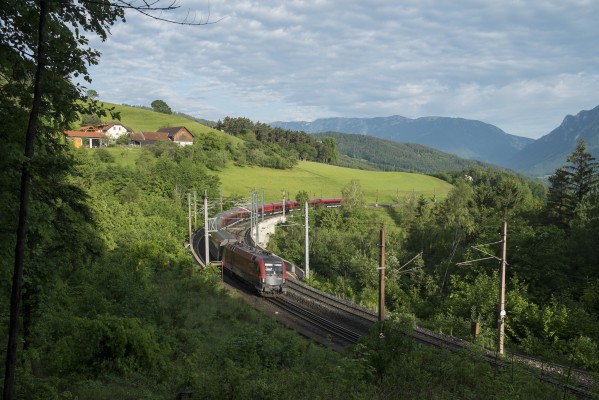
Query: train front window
[[269, 269], [273, 268]]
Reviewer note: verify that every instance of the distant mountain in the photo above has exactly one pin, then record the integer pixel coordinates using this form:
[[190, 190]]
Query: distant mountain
[[367, 152], [469, 139], [548, 153]]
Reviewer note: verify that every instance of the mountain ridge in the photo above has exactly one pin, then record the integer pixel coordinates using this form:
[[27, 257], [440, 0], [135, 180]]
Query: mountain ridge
[[546, 154], [458, 136]]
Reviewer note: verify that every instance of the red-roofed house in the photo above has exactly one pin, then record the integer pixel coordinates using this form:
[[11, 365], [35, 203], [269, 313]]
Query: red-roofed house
[[178, 134], [145, 138], [85, 138]]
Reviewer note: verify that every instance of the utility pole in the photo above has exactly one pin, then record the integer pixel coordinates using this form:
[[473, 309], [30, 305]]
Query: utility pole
[[263, 205], [195, 210], [189, 215], [256, 224], [502, 287], [306, 242], [283, 202], [220, 195], [206, 233], [382, 275], [251, 212]]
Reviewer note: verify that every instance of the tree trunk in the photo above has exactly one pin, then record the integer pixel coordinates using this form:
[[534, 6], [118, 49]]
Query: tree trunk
[[15, 298]]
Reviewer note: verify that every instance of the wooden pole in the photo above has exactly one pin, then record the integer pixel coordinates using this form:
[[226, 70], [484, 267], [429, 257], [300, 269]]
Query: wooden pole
[[382, 275], [189, 215], [502, 287], [206, 232], [306, 242]]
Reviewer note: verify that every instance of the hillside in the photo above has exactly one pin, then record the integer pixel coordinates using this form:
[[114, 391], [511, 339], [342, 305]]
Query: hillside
[[367, 152], [469, 139], [548, 153], [140, 119], [321, 180]]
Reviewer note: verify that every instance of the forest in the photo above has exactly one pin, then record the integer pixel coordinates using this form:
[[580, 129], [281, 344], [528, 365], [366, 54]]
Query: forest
[[552, 299]]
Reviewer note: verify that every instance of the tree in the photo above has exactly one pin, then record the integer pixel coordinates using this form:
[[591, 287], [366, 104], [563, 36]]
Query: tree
[[571, 184], [92, 94], [90, 119], [582, 172], [508, 195], [353, 197], [327, 151], [43, 48], [301, 197], [161, 107]]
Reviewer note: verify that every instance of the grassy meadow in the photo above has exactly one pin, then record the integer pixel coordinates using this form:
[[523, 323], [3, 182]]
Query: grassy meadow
[[321, 180]]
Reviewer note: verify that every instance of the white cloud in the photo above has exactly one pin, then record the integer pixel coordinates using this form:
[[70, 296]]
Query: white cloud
[[519, 65]]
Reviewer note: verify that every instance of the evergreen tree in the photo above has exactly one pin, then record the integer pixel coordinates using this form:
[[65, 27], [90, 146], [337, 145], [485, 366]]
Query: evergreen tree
[[571, 184], [583, 172]]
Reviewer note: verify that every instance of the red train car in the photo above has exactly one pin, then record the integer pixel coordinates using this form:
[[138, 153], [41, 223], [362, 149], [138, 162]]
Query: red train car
[[262, 270]]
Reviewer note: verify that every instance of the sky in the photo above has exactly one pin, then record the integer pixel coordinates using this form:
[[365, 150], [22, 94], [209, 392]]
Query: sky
[[520, 65]]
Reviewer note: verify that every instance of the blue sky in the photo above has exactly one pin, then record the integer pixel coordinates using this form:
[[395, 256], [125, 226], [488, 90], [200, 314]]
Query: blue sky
[[520, 65]]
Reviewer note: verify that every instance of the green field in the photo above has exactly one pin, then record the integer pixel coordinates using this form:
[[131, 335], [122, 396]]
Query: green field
[[321, 180]]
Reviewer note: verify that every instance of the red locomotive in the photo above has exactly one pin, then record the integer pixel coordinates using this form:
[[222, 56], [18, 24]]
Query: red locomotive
[[262, 270]]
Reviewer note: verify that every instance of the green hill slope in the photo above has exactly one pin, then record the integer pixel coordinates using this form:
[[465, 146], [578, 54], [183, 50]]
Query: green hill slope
[[321, 180], [140, 119], [368, 152]]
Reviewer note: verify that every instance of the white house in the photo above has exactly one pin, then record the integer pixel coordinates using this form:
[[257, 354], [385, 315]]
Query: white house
[[113, 129]]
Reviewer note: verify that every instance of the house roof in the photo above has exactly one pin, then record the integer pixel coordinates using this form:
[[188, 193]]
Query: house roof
[[173, 130], [87, 128], [107, 125], [83, 134], [155, 136]]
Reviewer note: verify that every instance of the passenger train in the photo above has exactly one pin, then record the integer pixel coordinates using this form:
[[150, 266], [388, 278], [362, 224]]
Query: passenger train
[[262, 270]]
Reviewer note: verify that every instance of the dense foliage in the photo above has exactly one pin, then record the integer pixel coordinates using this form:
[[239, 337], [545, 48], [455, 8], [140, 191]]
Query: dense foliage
[[276, 142], [553, 277]]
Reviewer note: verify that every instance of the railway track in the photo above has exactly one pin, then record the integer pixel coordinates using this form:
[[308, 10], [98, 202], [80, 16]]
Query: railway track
[[335, 330]]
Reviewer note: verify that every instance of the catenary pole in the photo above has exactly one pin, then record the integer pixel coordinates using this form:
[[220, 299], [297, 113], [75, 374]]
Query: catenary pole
[[256, 216], [206, 232], [382, 275], [251, 213], [189, 215], [195, 210], [283, 202], [220, 195], [502, 287], [306, 242]]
